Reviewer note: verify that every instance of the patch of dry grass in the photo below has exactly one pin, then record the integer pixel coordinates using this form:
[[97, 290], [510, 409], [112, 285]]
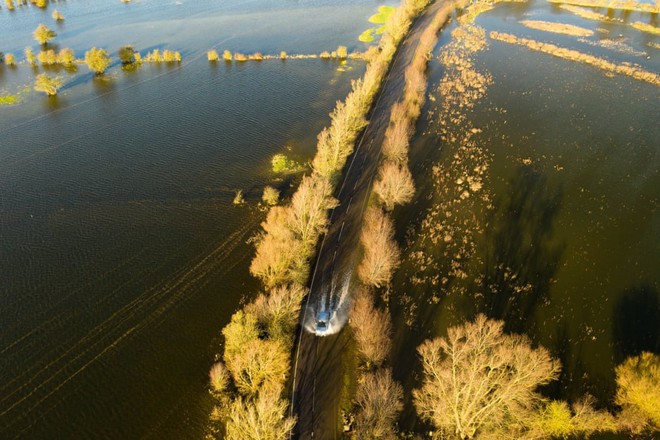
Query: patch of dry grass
[[557, 28]]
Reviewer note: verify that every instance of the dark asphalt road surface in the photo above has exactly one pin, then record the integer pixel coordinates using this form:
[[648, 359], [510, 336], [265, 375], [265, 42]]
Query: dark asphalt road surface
[[317, 373]]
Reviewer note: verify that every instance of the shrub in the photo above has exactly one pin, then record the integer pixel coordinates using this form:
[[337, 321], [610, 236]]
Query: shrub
[[47, 57], [10, 59], [556, 419], [283, 55], [97, 60], [57, 15], [638, 391], [379, 400], [219, 377], [46, 84], [126, 54], [239, 57], [29, 56], [342, 52], [43, 34], [40, 3], [394, 185], [212, 55], [170, 56], [238, 198], [325, 55], [226, 55], [282, 164], [10, 4], [395, 145], [257, 56], [271, 196], [371, 329], [66, 57], [381, 254]]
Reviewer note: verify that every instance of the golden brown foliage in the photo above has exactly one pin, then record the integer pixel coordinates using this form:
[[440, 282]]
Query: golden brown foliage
[[394, 185], [270, 196], [379, 401], [43, 34], [219, 377], [47, 84], [478, 379], [97, 60], [573, 55], [638, 391], [10, 59], [381, 253], [556, 419], [371, 329], [277, 312], [29, 56], [212, 55], [57, 15], [259, 418]]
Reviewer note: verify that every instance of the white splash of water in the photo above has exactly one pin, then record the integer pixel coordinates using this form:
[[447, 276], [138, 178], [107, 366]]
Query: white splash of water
[[336, 302]]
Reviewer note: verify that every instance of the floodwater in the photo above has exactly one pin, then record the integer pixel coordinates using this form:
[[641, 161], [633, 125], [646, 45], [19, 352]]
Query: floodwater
[[122, 255], [560, 236]]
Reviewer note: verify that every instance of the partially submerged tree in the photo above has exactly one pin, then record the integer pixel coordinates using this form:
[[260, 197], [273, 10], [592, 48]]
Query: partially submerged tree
[[271, 196], [277, 312], [30, 57], [381, 253], [212, 55], [371, 329], [47, 84], [57, 15], [126, 54], [638, 392], [43, 34], [479, 380], [379, 401], [97, 60]]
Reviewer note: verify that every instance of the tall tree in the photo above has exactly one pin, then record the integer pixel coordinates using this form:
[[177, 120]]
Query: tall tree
[[480, 380]]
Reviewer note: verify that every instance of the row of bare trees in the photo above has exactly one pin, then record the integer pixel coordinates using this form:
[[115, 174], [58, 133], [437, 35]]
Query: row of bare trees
[[248, 386], [479, 382], [379, 399]]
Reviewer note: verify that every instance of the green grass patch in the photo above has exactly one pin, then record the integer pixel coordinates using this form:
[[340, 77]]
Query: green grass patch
[[367, 36], [282, 164], [382, 15]]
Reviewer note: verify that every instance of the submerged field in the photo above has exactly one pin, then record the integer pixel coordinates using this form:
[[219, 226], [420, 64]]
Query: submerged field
[[124, 255]]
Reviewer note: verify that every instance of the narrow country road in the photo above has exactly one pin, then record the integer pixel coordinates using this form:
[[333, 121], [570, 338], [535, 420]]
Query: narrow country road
[[317, 366]]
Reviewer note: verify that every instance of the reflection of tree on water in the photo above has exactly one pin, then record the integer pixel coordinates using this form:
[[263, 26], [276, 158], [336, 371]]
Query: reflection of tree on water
[[521, 258], [636, 322]]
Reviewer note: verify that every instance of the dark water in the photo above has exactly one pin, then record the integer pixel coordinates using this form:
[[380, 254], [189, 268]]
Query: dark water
[[122, 255], [568, 250]]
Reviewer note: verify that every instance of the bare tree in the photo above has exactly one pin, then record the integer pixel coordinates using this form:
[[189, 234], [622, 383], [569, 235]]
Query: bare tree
[[381, 253], [308, 215], [395, 185], [638, 392], [478, 379], [371, 328], [379, 401], [260, 364], [262, 418], [278, 311]]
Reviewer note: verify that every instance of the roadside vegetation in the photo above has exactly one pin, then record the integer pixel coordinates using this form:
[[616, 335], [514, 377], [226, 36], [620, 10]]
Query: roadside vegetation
[[287, 242], [479, 382]]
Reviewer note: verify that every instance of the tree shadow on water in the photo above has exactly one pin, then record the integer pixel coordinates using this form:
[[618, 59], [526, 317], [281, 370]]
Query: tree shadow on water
[[521, 255], [636, 322]]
